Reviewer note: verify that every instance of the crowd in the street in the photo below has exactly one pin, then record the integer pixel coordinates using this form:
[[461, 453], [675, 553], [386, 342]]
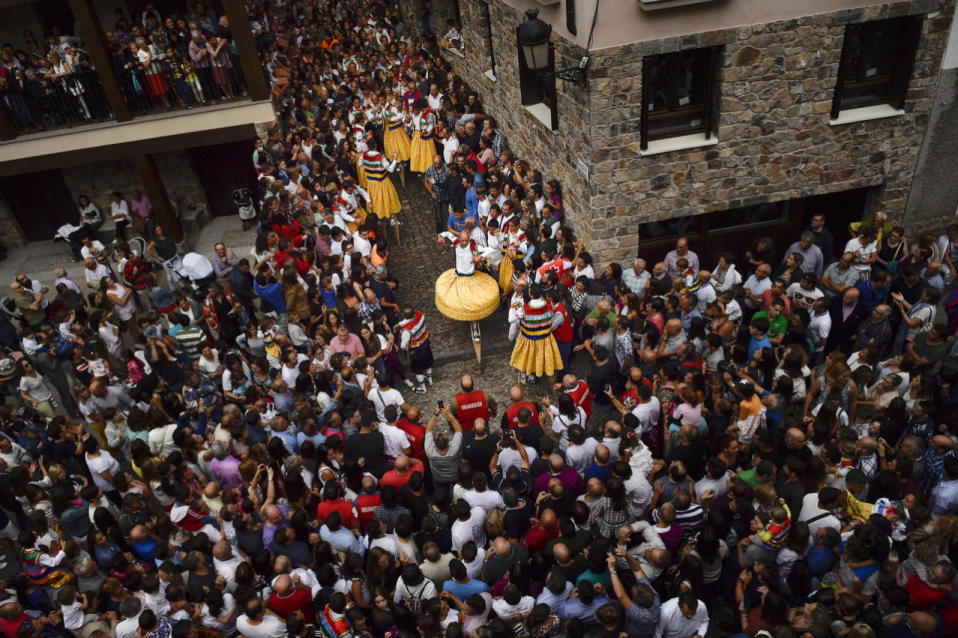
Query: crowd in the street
[[231, 444]]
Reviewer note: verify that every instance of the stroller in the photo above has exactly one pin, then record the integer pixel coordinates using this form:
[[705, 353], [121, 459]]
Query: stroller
[[243, 200]]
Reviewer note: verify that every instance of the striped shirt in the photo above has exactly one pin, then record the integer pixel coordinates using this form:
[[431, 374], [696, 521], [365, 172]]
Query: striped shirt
[[191, 341]]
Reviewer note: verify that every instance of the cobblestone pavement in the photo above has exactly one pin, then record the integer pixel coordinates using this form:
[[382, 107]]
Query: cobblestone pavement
[[417, 262]]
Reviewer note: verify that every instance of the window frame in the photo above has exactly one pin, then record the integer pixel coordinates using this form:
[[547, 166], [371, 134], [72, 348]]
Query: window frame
[[907, 31], [707, 111], [537, 89]]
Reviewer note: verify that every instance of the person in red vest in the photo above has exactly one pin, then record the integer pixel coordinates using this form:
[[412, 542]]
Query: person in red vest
[[471, 404], [511, 418], [578, 390], [561, 266], [333, 502], [411, 424], [561, 328], [367, 502]]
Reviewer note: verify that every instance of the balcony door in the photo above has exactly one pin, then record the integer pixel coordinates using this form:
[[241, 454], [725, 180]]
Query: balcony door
[[222, 168]]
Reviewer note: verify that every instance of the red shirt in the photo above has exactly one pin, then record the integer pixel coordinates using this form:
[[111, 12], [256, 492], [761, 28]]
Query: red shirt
[[536, 538], [10, 627], [923, 596], [416, 434], [297, 600], [366, 505], [324, 509], [397, 480], [582, 397]]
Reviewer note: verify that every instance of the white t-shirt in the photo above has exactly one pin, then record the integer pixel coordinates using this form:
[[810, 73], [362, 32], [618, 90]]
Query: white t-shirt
[[394, 440], [866, 251], [580, 457], [381, 398], [487, 500], [471, 530], [561, 423], [820, 326], [72, 615], [811, 510], [647, 414], [35, 388], [802, 298], [271, 627], [509, 457], [103, 463]]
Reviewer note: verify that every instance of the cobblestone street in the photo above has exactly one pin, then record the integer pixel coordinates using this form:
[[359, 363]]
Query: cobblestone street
[[418, 262]]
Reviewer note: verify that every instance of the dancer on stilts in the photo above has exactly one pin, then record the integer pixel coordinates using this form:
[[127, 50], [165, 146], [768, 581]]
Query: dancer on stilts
[[382, 193], [536, 353], [414, 338], [423, 149], [395, 141], [464, 294]]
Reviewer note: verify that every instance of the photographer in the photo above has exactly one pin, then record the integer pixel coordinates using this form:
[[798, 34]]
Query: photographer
[[443, 453]]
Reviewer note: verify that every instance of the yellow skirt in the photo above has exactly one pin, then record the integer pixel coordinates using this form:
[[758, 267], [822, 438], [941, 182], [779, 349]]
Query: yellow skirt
[[361, 173], [396, 141], [360, 216], [506, 270], [536, 356], [466, 298], [421, 154], [385, 200]]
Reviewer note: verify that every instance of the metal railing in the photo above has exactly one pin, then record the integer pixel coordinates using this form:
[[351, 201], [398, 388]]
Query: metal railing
[[167, 85], [42, 103]]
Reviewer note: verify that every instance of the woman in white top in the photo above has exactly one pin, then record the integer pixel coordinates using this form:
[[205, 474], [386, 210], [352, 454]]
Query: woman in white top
[[110, 335], [89, 213], [563, 417], [120, 212], [122, 299], [34, 391], [209, 363]]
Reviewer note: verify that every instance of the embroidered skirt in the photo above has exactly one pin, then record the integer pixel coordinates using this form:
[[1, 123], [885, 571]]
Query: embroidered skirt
[[536, 356], [468, 298], [382, 193]]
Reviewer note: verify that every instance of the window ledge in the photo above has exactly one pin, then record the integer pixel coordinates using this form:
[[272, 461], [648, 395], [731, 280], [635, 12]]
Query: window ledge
[[681, 143], [865, 113], [490, 74], [541, 112], [455, 51]]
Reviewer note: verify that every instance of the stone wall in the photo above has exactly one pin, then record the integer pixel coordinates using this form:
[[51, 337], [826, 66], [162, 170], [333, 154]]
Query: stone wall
[[776, 83], [934, 193], [10, 229], [555, 153]]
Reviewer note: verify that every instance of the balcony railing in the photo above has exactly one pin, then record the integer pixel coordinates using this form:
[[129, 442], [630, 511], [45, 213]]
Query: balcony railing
[[167, 85], [42, 103]]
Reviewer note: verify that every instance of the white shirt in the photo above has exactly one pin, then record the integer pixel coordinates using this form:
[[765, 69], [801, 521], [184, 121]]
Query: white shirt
[[820, 326], [96, 274], [449, 147], [94, 249], [757, 287], [473, 529], [120, 210], [580, 457], [381, 398], [672, 624], [271, 627], [102, 463], [510, 456], [854, 245], [395, 440], [361, 246], [227, 569], [128, 628], [487, 500], [647, 414], [810, 510]]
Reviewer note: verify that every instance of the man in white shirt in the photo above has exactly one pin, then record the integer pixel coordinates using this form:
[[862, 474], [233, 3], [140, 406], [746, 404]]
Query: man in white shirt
[[820, 324], [225, 563], [581, 451], [468, 526], [361, 242], [757, 283], [682, 617], [647, 410], [93, 272], [92, 248], [481, 496], [130, 625], [817, 510], [637, 278], [382, 396], [260, 622]]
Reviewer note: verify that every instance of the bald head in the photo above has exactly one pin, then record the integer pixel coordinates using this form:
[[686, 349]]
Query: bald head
[[602, 453], [402, 463], [222, 550], [283, 585], [211, 489], [502, 547], [282, 564], [548, 520], [569, 381], [673, 327], [466, 383], [515, 394], [794, 438], [561, 551], [413, 414], [139, 534]]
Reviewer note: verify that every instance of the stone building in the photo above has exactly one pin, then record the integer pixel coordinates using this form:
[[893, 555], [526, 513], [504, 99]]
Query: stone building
[[723, 120]]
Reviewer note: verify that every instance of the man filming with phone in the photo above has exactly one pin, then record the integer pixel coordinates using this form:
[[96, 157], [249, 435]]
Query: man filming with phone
[[443, 453]]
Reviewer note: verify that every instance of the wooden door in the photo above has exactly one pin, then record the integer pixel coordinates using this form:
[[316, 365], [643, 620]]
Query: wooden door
[[222, 168], [41, 202]]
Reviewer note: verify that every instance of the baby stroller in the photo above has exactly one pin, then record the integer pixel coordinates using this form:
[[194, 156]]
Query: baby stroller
[[243, 200]]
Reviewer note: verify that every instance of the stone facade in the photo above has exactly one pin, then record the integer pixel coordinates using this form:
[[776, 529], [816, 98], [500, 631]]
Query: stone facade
[[776, 82]]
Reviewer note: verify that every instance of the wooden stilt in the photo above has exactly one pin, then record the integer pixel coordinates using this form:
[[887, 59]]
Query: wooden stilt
[[402, 174], [396, 228], [477, 341]]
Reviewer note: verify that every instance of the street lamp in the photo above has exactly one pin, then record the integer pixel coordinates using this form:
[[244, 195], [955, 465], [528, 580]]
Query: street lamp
[[533, 37]]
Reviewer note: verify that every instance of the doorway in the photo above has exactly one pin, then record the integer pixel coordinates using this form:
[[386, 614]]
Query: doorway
[[40, 201], [223, 168]]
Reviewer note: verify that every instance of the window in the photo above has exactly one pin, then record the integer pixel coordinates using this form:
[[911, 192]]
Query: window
[[538, 90], [677, 94], [876, 63]]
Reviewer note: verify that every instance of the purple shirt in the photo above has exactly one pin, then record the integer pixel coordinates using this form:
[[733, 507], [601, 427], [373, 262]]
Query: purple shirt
[[269, 531], [227, 472], [142, 206], [569, 477]]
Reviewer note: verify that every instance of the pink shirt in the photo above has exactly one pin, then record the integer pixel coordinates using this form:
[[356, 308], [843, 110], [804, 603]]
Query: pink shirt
[[142, 206], [352, 346]]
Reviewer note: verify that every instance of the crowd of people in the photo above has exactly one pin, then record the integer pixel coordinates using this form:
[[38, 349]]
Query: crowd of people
[[230, 444]]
